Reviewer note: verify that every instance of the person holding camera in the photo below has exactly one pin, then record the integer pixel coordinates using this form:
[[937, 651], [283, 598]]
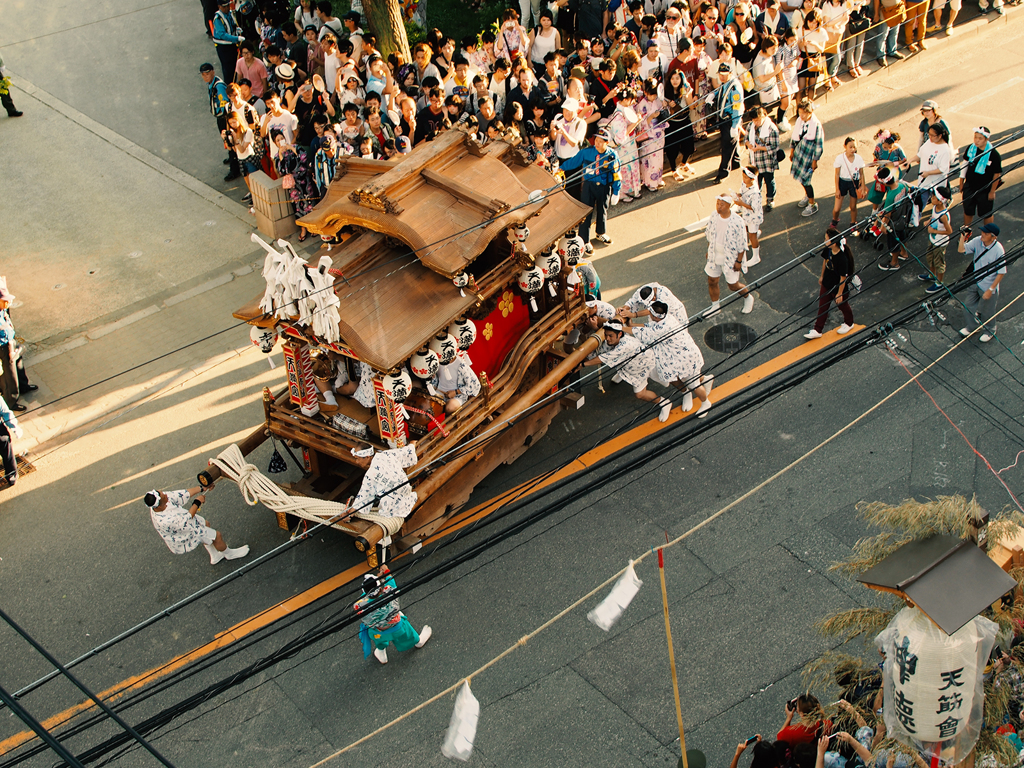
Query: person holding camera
[[981, 300], [806, 705], [175, 515]]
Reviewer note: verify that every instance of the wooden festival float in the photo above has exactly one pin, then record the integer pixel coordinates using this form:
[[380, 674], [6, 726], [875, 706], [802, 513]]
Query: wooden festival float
[[453, 232]]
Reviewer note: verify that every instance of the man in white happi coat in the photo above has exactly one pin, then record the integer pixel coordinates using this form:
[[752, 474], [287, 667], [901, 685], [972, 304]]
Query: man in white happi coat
[[727, 243], [175, 517], [639, 304], [677, 358], [633, 363], [385, 485], [457, 382]]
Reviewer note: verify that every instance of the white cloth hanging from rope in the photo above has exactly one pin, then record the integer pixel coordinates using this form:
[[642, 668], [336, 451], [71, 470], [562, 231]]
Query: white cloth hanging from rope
[[610, 610], [458, 742]]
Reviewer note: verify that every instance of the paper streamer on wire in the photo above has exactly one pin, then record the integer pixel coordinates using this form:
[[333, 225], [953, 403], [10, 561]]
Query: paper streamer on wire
[[458, 742], [612, 607]]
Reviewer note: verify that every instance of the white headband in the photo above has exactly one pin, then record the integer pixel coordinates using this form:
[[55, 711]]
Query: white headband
[[749, 173], [365, 453], [591, 303], [725, 199], [983, 131], [155, 493], [939, 195], [614, 325]]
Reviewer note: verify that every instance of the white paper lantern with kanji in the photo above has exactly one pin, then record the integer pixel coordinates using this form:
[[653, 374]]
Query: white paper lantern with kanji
[[934, 695], [551, 265], [464, 331], [398, 385], [571, 249], [445, 346], [424, 364], [530, 282], [519, 233], [264, 338]]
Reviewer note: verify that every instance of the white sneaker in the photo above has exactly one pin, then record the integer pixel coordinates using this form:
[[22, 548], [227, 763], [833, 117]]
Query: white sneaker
[[843, 329], [617, 379], [425, 634], [753, 261], [803, 202], [381, 654], [812, 334], [704, 408], [687, 402], [985, 338], [666, 407], [234, 554], [784, 125], [707, 382], [588, 248], [748, 304], [215, 556]]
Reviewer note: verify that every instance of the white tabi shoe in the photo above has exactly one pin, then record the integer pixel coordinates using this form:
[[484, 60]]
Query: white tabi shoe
[[753, 261], [616, 379], [748, 304], [707, 382], [687, 402], [704, 408], [666, 407], [381, 654], [215, 556], [237, 552], [425, 634]]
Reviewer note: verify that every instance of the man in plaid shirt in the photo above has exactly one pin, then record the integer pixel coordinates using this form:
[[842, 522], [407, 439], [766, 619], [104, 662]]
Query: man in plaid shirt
[[763, 142]]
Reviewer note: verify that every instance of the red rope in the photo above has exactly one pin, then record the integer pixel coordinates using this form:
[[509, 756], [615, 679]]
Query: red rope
[[433, 420], [959, 431]]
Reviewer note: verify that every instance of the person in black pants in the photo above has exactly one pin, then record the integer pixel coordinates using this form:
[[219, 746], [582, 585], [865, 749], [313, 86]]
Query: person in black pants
[[9, 429], [13, 377], [836, 271], [728, 101]]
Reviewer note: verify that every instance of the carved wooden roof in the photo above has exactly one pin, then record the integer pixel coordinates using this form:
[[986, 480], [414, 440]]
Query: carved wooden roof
[[446, 200]]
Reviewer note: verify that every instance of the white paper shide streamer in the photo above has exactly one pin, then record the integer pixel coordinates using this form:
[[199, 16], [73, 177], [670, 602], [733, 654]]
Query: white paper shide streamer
[[610, 609], [458, 742]]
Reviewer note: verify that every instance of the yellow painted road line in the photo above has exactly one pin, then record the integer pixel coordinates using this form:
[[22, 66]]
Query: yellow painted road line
[[301, 600]]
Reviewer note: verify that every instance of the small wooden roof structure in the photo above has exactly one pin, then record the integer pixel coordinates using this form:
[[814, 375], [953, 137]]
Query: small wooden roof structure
[[420, 222], [446, 200], [950, 580]]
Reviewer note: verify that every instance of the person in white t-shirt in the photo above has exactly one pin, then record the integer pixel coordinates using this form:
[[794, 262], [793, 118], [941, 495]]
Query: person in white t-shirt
[[934, 156], [849, 168], [278, 117], [653, 65]]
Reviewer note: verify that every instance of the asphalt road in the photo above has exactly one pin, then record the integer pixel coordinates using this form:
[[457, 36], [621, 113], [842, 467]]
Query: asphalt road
[[81, 563]]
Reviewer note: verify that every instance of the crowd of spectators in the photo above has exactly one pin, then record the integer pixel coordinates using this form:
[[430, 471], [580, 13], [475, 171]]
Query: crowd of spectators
[[299, 87]]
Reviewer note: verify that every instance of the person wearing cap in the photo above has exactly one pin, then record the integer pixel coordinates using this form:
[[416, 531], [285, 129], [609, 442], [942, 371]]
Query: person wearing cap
[[9, 430], [752, 213], [836, 271], [381, 619], [677, 358], [930, 116], [727, 244], [220, 105], [226, 37], [728, 100], [633, 364], [13, 376], [175, 515], [355, 35], [939, 229], [980, 177], [987, 269], [601, 184]]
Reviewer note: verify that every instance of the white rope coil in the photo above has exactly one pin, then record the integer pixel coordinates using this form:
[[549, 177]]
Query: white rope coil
[[257, 488]]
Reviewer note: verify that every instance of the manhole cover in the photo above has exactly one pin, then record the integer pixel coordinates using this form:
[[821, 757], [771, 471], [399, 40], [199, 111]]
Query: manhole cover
[[729, 337]]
